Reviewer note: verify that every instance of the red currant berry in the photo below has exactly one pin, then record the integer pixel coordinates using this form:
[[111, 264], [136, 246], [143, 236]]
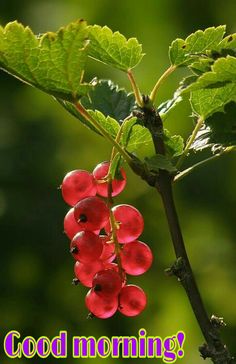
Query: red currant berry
[[100, 172], [71, 227], [101, 306], [132, 300], [115, 267], [86, 247], [85, 272], [136, 258], [130, 223], [108, 253], [77, 185], [107, 282], [91, 213]]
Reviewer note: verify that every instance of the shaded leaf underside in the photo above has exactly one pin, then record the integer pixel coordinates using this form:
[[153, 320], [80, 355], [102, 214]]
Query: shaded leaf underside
[[219, 130]]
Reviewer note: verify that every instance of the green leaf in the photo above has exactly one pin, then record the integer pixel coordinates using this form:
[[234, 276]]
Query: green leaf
[[115, 167], [219, 130], [201, 66], [127, 130], [206, 102], [184, 52], [174, 144], [53, 62], [214, 89], [227, 45], [167, 106], [113, 48], [222, 72], [110, 100], [108, 123], [106, 98], [139, 137], [159, 161]]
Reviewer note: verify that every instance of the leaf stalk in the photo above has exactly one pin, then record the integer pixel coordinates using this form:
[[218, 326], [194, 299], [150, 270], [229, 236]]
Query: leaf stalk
[[135, 88], [187, 171], [198, 126], [160, 81]]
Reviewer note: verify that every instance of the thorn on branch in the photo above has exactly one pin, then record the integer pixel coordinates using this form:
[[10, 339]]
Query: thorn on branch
[[90, 316], [178, 269], [217, 322], [218, 356], [75, 281], [205, 351]]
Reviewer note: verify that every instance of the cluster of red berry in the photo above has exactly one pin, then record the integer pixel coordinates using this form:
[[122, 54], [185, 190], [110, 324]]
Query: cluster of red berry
[[101, 234]]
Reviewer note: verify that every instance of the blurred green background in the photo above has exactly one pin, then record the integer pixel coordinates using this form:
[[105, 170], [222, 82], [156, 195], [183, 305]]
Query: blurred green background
[[39, 143]]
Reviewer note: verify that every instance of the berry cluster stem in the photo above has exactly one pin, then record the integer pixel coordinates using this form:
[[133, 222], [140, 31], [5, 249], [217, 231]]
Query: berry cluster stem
[[94, 122], [214, 348], [110, 204], [114, 227]]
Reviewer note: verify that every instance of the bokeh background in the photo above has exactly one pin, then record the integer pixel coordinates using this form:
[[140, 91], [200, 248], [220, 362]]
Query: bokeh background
[[39, 143]]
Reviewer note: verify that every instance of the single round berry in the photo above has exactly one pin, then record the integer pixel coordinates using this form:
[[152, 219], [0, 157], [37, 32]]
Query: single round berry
[[108, 252], [85, 272], [132, 300], [115, 267], [107, 282], [130, 223], [86, 246], [77, 185], [91, 213], [71, 227], [101, 306], [100, 172], [136, 257]]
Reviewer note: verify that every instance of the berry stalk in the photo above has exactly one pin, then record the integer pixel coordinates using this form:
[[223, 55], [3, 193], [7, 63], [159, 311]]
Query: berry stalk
[[116, 145], [110, 204], [114, 226]]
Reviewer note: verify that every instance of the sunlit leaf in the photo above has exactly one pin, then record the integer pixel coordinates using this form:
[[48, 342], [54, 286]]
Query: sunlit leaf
[[113, 48], [53, 62], [184, 52], [127, 130], [222, 72], [174, 144], [139, 137], [206, 102], [108, 123]]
